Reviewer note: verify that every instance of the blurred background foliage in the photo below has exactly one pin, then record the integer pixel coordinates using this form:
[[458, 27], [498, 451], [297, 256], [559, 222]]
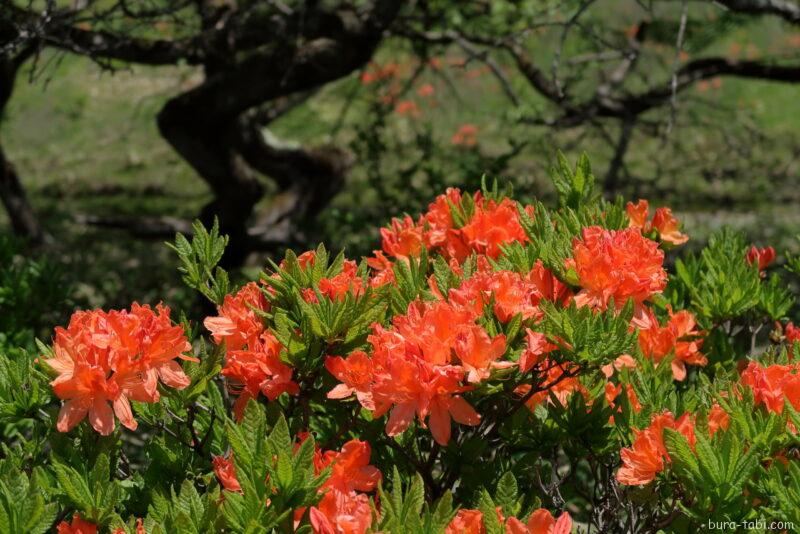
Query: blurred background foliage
[[438, 105]]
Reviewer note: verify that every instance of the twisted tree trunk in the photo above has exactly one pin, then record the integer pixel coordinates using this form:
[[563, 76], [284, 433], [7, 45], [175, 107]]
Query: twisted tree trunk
[[217, 128], [23, 219]]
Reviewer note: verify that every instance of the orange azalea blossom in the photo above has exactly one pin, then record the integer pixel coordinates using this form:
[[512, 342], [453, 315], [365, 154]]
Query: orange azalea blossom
[[509, 292], [376, 72], [761, 257], [383, 270], [718, 419], [557, 381], [347, 281], [342, 509], [645, 458], [541, 521], [78, 526], [341, 513], [420, 367], [549, 287], [625, 361], [403, 239], [226, 473], [467, 135], [139, 528], [407, 107], [105, 359], [612, 391], [355, 372], [678, 336], [618, 264], [479, 353], [466, 522], [258, 369], [770, 385], [664, 223], [350, 469], [535, 351], [493, 224], [440, 231], [237, 323], [426, 90], [792, 333]]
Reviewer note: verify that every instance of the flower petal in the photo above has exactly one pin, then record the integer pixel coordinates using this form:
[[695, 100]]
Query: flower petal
[[71, 413], [101, 417]]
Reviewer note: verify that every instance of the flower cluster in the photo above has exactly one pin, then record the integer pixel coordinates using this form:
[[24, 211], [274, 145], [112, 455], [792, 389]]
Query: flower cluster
[[540, 521], [252, 363], [647, 456], [664, 224], [106, 359], [773, 385], [421, 366], [677, 337], [78, 525], [490, 225], [483, 334], [344, 506], [618, 265]]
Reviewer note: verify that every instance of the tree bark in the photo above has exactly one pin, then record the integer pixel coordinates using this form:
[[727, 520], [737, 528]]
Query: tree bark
[[215, 127], [23, 219]]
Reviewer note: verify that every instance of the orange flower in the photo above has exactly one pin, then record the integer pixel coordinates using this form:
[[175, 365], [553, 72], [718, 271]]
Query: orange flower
[[350, 469], [432, 327], [139, 528], [355, 373], [760, 256], [645, 458], [426, 90], [618, 264], [78, 526], [541, 521], [466, 522], [403, 240], [407, 107], [678, 336], [548, 286], [112, 357], [467, 135], [347, 281], [420, 366], [664, 223], [536, 349], [342, 510], [792, 333], [383, 270], [237, 323], [440, 231], [226, 473], [377, 73], [258, 369], [430, 392], [479, 353], [770, 384], [717, 419], [341, 513], [492, 225], [509, 293]]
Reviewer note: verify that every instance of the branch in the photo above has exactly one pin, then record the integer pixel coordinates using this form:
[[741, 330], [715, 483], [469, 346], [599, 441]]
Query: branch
[[788, 11]]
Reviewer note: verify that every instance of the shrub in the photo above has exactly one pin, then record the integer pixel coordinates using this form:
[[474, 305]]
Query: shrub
[[495, 367]]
